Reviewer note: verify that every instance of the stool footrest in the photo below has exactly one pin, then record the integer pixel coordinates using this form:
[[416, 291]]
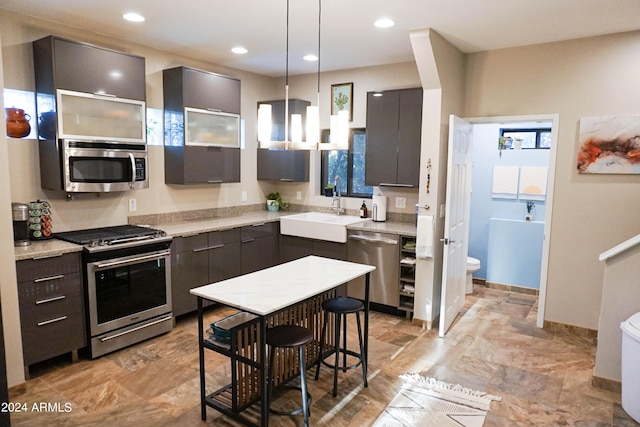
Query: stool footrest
[[295, 411], [342, 351]]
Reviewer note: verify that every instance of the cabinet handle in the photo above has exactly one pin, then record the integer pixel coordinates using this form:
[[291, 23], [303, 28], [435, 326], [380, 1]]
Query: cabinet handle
[[160, 320], [214, 110], [286, 179], [390, 184], [258, 225], [46, 257], [45, 279], [107, 95], [191, 235], [57, 319], [248, 240], [44, 301], [208, 248], [215, 181]]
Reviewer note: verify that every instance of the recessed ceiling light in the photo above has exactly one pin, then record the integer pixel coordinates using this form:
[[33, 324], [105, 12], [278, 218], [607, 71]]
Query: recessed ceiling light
[[239, 50], [310, 58], [384, 23], [133, 17]]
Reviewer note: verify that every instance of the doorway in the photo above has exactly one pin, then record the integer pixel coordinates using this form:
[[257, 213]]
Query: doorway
[[512, 208]]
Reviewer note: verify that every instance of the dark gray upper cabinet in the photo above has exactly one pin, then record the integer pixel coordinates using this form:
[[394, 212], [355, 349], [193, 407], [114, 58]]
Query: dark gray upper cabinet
[[394, 127], [81, 67], [190, 164], [281, 165], [188, 87]]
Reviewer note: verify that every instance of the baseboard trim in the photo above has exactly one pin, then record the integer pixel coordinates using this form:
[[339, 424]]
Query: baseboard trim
[[579, 331], [606, 384], [504, 287]]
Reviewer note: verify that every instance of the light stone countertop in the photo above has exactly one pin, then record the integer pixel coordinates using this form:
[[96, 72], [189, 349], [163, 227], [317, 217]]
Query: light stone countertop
[[189, 228], [43, 248], [264, 292]]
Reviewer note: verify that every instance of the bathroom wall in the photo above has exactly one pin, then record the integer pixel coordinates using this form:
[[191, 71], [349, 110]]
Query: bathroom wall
[[483, 205]]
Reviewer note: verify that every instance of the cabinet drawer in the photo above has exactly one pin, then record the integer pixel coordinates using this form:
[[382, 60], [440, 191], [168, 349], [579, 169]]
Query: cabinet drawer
[[42, 293], [49, 337], [187, 244], [224, 237], [258, 230], [42, 268]]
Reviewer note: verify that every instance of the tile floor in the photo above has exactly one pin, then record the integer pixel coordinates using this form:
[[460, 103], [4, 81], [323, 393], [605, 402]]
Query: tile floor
[[544, 378]]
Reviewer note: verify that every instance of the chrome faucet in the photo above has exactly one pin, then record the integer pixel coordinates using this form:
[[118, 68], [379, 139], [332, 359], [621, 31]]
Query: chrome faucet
[[336, 196]]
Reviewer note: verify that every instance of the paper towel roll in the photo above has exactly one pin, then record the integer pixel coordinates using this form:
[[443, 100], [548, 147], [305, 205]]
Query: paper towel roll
[[379, 209]]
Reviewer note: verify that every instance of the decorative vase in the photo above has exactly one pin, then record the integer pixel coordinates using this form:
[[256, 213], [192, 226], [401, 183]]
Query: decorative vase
[[17, 123], [528, 217], [273, 206], [328, 192]]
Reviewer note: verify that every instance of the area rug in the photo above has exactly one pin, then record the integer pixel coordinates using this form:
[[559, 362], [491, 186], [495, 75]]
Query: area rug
[[425, 401]]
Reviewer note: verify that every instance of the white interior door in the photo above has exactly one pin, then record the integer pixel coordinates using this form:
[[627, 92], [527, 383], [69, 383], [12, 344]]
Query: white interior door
[[456, 223]]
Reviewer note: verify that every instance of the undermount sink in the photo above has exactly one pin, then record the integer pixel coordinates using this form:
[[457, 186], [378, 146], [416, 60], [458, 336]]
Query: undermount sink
[[318, 225]]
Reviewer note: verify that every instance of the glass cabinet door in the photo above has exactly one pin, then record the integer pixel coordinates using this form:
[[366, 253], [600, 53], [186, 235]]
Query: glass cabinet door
[[211, 128], [96, 117]]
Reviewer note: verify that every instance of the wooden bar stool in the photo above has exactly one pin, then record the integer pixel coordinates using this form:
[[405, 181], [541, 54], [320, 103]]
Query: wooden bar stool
[[340, 307], [289, 336]]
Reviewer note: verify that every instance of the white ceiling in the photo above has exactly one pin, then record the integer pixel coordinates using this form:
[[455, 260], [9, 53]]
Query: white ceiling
[[207, 29]]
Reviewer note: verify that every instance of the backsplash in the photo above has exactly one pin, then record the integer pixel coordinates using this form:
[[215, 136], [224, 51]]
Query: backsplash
[[201, 214]]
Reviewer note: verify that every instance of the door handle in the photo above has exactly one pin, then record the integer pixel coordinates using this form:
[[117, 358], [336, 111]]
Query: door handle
[[446, 241]]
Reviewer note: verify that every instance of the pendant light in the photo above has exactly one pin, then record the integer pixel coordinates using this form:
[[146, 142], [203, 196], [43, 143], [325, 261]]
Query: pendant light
[[293, 141]]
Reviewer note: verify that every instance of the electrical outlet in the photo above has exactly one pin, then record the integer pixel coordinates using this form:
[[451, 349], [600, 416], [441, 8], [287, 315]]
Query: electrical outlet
[[401, 202], [244, 196], [298, 195], [133, 205]]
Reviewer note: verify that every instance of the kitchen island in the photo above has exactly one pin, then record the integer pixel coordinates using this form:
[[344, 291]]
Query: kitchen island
[[287, 293]]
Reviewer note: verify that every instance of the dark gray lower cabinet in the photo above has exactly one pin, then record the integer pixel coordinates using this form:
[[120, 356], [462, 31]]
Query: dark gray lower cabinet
[[259, 246], [199, 260], [219, 255], [292, 247], [50, 294]]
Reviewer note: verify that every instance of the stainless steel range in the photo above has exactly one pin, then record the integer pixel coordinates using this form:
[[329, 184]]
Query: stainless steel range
[[127, 276]]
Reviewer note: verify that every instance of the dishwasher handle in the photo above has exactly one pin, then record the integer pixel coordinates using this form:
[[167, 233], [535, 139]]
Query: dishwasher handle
[[373, 239]]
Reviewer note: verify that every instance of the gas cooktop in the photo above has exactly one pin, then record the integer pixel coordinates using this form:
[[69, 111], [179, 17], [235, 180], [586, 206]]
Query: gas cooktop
[[114, 236]]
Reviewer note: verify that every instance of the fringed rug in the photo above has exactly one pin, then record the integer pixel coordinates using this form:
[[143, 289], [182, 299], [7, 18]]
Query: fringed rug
[[425, 401]]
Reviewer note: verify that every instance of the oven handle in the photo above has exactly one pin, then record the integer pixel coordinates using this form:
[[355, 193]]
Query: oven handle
[[133, 171], [110, 337], [132, 260]]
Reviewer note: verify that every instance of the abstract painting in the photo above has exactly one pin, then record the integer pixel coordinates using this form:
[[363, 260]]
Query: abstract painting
[[609, 145]]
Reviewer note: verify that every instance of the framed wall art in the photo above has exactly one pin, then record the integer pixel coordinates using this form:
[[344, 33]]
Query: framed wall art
[[609, 145], [342, 98]]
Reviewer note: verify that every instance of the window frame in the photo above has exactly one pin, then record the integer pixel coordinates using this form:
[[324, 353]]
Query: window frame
[[350, 156], [537, 131]]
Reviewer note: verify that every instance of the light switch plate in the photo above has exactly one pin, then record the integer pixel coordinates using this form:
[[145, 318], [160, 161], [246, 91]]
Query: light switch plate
[[298, 195], [244, 196], [401, 202]]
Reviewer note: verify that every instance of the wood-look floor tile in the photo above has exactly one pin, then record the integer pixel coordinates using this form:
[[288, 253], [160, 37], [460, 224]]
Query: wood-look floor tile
[[543, 377]]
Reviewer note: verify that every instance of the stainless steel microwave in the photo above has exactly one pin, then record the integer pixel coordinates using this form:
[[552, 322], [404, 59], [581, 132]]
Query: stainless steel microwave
[[98, 166]]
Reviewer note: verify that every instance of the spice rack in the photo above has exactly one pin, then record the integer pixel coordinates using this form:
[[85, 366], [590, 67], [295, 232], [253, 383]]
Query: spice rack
[[407, 274]]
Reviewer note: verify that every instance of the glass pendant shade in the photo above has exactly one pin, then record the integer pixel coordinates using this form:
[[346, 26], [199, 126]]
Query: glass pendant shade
[[264, 123]]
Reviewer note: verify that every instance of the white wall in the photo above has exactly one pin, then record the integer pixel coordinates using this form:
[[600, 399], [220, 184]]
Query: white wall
[[580, 78], [8, 289]]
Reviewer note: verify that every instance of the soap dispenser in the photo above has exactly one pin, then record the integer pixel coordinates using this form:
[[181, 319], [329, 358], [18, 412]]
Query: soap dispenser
[[363, 210]]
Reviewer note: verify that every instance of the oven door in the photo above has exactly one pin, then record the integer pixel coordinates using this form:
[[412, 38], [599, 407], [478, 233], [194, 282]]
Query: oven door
[[128, 290], [103, 167]]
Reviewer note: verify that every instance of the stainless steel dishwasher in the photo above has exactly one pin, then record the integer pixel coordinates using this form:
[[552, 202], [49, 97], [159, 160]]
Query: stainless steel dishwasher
[[381, 250]]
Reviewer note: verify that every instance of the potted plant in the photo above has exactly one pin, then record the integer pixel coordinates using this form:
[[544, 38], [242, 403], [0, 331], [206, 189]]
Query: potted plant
[[275, 202], [529, 215], [328, 190]]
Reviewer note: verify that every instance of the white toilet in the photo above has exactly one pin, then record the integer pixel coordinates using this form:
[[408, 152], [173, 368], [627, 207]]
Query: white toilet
[[473, 264]]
